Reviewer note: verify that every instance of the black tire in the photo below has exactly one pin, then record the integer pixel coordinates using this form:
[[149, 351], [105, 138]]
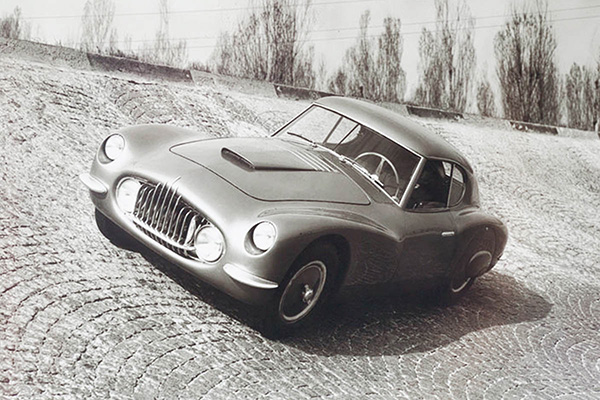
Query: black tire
[[454, 287], [114, 233], [306, 287], [471, 262]]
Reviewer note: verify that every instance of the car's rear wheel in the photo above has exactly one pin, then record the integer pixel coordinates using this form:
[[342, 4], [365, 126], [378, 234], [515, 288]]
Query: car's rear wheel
[[305, 288], [454, 287], [114, 233], [472, 262]]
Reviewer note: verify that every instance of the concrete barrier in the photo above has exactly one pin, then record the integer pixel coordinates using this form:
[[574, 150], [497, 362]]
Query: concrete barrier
[[241, 85], [433, 113], [46, 53], [299, 93], [109, 63], [531, 127], [74, 58]]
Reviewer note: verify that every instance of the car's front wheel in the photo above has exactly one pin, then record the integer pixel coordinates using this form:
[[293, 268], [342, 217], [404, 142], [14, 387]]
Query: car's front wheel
[[305, 288], [114, 233]]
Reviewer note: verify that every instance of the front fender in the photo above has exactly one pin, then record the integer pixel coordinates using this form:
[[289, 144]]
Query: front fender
[[142, 142], [145, 139], [298, 228]]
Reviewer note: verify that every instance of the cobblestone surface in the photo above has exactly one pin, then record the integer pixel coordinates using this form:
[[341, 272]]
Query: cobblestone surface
[[80, 318]]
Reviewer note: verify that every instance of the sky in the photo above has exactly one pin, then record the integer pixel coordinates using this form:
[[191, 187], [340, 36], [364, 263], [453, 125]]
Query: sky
[[334, 25]]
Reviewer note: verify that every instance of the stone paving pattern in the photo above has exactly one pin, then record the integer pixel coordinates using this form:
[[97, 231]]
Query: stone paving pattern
[[80, 318]]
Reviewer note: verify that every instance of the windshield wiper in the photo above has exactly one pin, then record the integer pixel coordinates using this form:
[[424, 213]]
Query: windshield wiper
[[303, 138], [354, 163], [357, 166], [344, 159]]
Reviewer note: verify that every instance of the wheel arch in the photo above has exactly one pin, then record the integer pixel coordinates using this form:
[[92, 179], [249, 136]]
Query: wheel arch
[[342, 248], [477, 239]]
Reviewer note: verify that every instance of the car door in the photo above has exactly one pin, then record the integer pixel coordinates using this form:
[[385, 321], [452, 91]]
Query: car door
[[427, 229], [427, 245]]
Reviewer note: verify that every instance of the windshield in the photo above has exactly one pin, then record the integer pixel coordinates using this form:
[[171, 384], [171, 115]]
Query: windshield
[[383, 161]]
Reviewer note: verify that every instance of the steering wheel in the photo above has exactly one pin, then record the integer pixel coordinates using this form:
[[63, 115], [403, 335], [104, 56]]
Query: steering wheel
[[375, 174]]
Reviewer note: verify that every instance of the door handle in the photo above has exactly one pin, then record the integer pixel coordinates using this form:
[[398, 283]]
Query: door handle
[[448, 233]]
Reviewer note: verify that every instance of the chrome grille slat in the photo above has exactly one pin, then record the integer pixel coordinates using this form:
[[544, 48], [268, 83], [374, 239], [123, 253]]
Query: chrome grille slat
[[170, 195], [169, 231], [183, 230], [149, 210], [141, 202], [166, 217], [178, 223], [156, 212], [165, 207]]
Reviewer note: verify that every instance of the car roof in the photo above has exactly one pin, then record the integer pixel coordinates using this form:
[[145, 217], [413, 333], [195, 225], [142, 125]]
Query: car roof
[[395, 127]]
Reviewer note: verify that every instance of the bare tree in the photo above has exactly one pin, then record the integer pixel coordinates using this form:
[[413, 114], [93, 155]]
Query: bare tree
[[286, 27], [304, 74], [338, 82], [372, 67], [485, 97], [269, 45], [392, 83], [581, 93], [321, 75], [430, 90], [222, 56], [526, 66], [13, 26], [359, 63], [98, 34], [245, 49], [597, 99], [447, 58], [164, 50]]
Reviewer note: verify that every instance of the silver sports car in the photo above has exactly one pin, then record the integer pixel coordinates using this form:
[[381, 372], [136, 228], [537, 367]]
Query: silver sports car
[[346, 193]]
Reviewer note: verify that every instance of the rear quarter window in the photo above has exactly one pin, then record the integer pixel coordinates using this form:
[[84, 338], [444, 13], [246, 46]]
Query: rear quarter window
[[457, 186]]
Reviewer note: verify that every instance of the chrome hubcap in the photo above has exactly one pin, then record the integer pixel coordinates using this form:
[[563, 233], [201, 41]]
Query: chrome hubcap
[[302, 292], [457, 288], [308, 294]]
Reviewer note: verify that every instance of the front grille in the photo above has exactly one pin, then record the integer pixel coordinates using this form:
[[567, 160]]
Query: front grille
[[167, 218]]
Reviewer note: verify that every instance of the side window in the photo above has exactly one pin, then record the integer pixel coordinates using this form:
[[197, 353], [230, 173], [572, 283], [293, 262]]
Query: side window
[[431, 190], [457, 187]]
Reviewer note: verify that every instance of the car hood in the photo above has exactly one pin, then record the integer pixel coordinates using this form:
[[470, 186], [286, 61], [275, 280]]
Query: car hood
[[274, 170]]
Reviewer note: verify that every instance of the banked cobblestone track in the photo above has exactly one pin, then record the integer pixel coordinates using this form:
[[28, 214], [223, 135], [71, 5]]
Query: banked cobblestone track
[[80, 318]]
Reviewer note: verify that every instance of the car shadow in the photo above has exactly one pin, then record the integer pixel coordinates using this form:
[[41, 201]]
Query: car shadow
[[243, 313], [374, 325], [367, 323]]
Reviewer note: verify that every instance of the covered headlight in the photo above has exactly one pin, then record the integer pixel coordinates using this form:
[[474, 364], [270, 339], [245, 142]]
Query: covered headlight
[[263, 235], [209, 243], [113, 147], [127, 192]]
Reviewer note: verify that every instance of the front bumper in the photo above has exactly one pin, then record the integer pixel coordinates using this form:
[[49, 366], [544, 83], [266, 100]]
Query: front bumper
[[230, 274]]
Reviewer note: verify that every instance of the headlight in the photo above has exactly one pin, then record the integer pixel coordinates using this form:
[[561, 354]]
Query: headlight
[[113, 147], [127, 192], [264, 235], [210, 244]]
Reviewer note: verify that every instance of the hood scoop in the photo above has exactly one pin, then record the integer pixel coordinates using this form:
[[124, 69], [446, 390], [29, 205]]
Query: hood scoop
[[269, 169], [254, 159]]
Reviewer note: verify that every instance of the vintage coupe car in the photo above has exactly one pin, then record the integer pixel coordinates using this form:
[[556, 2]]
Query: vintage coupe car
[[346, 193]]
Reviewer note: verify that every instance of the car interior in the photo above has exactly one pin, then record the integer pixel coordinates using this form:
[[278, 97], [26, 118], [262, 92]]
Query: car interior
[[440, 185]]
